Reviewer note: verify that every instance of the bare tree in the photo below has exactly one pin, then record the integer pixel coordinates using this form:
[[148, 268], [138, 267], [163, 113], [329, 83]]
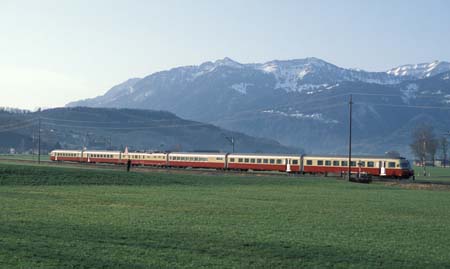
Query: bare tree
[[424, 144], [444, 147]]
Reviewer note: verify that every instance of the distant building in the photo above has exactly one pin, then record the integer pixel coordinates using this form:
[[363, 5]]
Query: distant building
[[12, 151], [437, 163]]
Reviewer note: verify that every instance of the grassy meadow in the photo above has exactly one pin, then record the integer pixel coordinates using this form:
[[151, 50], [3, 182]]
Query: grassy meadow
[[27, 157], [53, 217], [434, 174]]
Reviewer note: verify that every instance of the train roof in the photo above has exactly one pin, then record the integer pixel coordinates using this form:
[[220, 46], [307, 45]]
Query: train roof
[[200, 153], [353, 156], [66, 150], [265, 154], [101, 151]]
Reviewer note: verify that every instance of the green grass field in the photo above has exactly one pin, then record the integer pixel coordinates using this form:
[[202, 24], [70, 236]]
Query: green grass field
[[52, 217], [27, 157], [433, 173]]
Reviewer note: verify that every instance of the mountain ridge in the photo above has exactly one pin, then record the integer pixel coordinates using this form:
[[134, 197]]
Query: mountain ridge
[[297, 102]]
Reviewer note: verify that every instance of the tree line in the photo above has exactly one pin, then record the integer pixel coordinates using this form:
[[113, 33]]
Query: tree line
[[426, 145]]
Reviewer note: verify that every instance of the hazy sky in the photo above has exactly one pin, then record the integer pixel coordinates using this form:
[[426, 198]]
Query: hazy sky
[[53, 52]]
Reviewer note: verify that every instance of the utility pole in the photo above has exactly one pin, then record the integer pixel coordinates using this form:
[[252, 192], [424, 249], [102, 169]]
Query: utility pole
[[86, 141], [39, 141], [445, 148], [350, 103], [231, 140]]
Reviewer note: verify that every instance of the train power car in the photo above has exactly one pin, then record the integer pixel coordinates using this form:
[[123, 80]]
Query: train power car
[[371, 165], [66, 155]]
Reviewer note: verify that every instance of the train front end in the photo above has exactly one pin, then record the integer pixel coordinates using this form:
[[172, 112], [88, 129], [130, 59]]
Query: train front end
[[406, 170]]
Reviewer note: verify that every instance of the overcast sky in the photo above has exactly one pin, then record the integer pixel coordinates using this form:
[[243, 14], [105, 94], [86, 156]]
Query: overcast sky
[[53, 52]]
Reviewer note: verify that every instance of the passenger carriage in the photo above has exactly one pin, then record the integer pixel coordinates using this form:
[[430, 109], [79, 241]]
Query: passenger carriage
[[101, 156], [197, 160], [264, 162], [139, 158]]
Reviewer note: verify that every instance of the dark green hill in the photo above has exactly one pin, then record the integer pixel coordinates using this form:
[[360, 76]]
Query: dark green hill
[[111, 128]]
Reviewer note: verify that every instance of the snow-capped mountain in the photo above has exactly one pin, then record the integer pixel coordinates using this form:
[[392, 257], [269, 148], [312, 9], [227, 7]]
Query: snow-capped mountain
[[422, 70], [309, 73], [297, 102]]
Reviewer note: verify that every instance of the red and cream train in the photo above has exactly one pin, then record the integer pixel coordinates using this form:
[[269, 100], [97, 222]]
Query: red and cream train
[[305, 164]]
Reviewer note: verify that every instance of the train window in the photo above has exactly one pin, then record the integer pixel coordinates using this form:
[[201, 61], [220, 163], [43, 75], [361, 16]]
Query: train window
[[258, 160], [231, 160], [308, 162], [344, 163], [363, 164], [196, 159], [266, 161], [328, 163], [294, 161], [252, 160], [353, 163], [370, 164], [319, 162], [279, 161], [391, 164], [272, 161], [335, 163], [219, 158], [240, 160], [246, 160]]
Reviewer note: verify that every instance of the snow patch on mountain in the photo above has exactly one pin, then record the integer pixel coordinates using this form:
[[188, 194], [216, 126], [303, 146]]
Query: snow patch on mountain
[[299, 115], [409, 92], [289, 74], [332, 86], [422, 70], [241, 87]]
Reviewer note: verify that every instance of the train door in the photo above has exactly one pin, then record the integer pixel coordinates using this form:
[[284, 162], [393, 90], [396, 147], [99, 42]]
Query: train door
[[382, 165], [288, 165]]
